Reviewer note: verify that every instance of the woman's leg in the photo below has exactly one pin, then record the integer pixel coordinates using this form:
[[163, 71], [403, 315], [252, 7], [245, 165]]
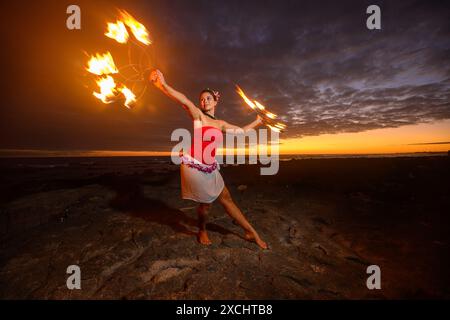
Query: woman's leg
[[202, 210], [234, 212]]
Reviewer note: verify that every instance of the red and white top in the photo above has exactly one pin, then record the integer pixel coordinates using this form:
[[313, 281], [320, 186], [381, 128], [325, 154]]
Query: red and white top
[[204, 143]]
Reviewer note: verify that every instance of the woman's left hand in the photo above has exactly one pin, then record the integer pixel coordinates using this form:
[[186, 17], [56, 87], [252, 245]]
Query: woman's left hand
[[258, 117]]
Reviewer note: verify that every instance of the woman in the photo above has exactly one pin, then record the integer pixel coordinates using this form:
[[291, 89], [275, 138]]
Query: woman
[[200, 177]]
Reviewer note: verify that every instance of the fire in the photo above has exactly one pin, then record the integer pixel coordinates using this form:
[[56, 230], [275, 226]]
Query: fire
[[102, 64], [262, 111], [130, 97], [117, 31], [274, 128], [259, 105], [107, 89], [268, 114], [247, 100], [138, 29], [271, 115]]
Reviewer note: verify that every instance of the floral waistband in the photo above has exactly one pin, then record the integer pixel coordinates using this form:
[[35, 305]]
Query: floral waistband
[[194, 163]]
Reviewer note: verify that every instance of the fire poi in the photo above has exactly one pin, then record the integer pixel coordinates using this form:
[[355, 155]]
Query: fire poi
[[112, 81], [267, 117]]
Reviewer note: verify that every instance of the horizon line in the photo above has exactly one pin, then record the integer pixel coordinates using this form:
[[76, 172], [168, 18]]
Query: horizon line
[[36, 153]]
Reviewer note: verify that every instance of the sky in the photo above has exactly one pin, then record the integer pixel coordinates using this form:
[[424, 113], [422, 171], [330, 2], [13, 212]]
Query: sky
[[339, 87]]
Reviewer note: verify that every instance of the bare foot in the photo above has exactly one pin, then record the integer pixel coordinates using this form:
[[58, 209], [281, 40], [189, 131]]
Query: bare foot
[[202, 237], [255, 238]]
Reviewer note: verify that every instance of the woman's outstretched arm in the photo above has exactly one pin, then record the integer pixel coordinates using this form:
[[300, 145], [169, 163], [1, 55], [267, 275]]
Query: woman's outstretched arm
[[158, 80], [227, 126]]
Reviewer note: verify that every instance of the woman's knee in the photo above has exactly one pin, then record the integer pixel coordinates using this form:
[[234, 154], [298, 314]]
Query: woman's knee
[[203, 208]]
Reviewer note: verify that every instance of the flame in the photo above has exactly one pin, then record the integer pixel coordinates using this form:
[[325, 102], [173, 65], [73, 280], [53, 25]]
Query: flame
[[130, 97], [267, 113], [117, 31], [107, 89], [102, 64], [262, 111], [271, 115], [259, 105], [274, 128], [138, 29], [247, 100]]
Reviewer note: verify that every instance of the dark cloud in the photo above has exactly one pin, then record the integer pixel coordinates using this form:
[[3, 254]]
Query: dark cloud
[[428, 143], [312, 62]]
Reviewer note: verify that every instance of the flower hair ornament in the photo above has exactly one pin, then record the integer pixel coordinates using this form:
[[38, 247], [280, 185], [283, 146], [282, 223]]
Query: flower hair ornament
[[215, 93]]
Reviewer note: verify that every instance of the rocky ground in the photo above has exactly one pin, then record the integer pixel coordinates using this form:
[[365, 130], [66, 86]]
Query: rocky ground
[[133, 237]]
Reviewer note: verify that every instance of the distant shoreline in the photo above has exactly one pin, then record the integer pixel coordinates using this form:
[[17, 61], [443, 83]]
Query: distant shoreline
[[283, 157]]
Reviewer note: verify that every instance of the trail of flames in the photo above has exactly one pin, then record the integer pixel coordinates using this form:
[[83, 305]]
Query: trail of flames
[[261, 110], [247, 100], [273, 128]]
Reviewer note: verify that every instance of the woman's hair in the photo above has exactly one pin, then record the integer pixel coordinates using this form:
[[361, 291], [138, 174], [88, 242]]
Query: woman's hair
[[215, 94]]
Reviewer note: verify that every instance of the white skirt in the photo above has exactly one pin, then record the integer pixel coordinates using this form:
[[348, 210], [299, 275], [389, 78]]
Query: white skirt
[[197, 185]]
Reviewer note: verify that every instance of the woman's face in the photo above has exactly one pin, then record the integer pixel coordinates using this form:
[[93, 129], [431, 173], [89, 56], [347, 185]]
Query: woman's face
[[207, 101]]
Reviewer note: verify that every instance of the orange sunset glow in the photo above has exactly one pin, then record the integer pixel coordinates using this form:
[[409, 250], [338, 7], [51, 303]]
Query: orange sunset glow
[[405, 139], [427, 137]]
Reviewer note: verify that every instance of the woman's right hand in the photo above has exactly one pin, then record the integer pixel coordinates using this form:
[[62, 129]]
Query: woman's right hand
[[157, 78]]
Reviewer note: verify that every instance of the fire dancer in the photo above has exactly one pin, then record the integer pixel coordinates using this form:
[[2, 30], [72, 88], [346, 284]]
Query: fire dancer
[[200, 177]]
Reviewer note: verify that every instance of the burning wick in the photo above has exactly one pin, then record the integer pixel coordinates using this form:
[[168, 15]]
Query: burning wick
[[104, 66], [118, 31], [107, 90], [130, 97]]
